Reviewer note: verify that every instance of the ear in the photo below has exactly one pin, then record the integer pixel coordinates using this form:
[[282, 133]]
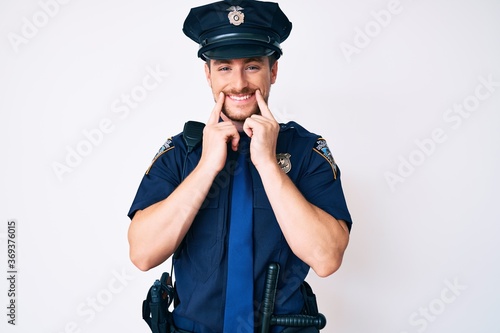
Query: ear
[[208, 75], [274, 72]]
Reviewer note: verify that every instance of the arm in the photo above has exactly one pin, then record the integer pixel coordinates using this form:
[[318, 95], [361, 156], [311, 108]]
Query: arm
[[156, 231], [315, 236]]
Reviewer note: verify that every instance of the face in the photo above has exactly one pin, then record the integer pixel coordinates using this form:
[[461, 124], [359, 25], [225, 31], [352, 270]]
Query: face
[[239, 79]]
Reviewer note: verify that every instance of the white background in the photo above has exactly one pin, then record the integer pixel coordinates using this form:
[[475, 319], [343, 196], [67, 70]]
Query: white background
[[435, 227]]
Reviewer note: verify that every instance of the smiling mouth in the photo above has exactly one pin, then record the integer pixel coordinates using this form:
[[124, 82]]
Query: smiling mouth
[[240, 98]]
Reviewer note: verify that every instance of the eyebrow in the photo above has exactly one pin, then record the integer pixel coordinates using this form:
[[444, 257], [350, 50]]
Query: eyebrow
[[247, 60]]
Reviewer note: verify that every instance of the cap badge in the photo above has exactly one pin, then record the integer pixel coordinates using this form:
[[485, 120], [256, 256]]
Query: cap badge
[[284, 162], [235, 15]]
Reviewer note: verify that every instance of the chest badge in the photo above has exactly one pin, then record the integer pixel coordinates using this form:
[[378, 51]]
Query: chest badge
[[235, 15], [284, 162]]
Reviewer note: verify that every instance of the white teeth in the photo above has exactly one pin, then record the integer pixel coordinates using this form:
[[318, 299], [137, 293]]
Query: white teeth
[[240, 98]]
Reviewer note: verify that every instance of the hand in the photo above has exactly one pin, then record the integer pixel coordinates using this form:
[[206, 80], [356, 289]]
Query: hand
[[216, 135], [264, 130]]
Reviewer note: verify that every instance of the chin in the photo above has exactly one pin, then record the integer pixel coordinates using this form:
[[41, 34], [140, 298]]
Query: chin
[[240, 115]]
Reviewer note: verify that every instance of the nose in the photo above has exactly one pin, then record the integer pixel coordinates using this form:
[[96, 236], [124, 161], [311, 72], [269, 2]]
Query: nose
[[240, 81]]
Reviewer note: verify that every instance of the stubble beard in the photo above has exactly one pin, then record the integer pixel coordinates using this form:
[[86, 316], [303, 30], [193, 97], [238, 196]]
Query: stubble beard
[[239, 116]]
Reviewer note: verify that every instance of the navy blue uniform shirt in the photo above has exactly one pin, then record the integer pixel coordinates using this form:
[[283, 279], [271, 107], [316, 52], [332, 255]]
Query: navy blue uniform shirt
[[201, 267]]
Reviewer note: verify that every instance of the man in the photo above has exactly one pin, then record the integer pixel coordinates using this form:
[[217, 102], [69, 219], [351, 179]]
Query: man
[[187, 200]]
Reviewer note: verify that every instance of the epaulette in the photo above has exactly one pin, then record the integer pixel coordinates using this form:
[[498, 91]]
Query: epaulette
[[301, 131]]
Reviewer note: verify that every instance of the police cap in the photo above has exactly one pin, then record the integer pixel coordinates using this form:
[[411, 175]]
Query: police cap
[[234, 29]]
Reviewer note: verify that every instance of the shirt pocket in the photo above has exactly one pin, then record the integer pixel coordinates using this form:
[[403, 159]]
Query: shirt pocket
[[267, 232], [204, 241]]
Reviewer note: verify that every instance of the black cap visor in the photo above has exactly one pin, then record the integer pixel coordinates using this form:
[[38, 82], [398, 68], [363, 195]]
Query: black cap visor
[[236, 52], [237, 46]]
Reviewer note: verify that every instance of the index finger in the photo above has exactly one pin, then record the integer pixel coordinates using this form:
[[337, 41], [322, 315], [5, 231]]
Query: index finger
[[264, 109], [215, 115]]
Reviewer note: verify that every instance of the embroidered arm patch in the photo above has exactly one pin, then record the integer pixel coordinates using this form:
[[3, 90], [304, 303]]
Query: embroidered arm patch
[[322, 149], [169, 144]]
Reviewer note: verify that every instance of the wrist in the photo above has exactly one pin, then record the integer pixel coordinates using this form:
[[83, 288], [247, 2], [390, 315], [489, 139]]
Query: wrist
[[207, 170], [269, 166]]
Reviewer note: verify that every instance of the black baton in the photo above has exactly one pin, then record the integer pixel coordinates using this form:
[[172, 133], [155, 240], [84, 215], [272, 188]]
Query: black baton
[[269, 297], [318, 321], [267, 318]]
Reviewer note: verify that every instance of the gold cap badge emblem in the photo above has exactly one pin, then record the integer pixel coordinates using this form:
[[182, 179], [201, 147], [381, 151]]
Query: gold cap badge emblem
[[235, 15]]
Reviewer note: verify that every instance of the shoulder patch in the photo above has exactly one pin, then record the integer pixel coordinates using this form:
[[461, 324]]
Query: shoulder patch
[[166, 146], [321, 147], [169, 144]]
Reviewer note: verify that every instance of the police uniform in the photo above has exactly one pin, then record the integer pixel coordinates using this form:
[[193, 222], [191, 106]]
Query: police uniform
[[201, 263]]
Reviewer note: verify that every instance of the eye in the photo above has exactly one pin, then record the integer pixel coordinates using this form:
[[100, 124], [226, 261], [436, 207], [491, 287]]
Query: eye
[[224, 69], [253, 68]]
